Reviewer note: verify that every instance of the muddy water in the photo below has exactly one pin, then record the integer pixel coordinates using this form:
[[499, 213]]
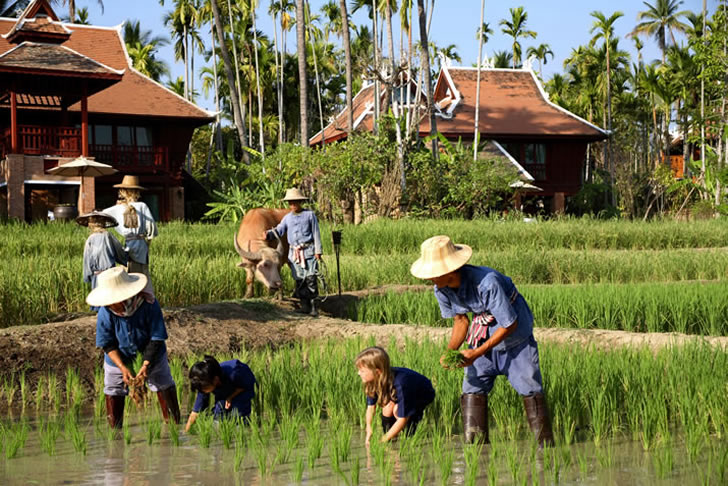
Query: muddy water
[[112, 462]]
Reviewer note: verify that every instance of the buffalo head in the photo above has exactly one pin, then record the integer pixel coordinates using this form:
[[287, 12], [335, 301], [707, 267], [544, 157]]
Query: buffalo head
[[265, 263]]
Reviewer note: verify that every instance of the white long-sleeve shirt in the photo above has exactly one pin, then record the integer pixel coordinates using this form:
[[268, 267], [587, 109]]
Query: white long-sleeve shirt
[[147, 229]]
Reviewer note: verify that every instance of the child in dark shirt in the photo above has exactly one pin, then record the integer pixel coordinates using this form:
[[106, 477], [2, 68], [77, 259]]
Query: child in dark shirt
[[402, 393], [232, 383]]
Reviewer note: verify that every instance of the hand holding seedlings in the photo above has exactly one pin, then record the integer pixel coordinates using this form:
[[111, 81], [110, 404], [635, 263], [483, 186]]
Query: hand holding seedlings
[[452, 358]]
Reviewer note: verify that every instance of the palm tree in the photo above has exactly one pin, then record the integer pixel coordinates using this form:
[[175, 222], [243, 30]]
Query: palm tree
[[72, 8], [516, 28], [142, 49], [502, 59], [541, 53], [482, 38], [261, 136], [302, 79], [659, 20], [182, 21], [233, 93], [605, 29], [12, 8], [347, 59], [82, 16], [484, 32], [426, 73]]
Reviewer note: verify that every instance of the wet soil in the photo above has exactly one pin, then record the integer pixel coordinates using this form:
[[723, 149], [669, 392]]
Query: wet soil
[[227, 327]]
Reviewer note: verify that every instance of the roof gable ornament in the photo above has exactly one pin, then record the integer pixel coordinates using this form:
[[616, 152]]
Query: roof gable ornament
[[487, 63], [528, 65], [444, 60]]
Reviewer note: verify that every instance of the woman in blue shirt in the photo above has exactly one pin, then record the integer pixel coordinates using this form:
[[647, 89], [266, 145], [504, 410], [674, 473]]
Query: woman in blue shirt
[[232, 383], [500, 336], [304, 251], [129, 322]]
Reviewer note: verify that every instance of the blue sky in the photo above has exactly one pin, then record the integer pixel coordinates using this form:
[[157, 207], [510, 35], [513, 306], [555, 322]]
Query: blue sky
[[563, 24]]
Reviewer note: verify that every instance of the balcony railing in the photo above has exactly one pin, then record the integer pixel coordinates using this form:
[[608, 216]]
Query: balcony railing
[[132, 158], [66, 142], [40, 140], [538, 171]]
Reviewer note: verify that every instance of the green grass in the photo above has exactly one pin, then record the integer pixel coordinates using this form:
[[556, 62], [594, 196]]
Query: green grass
[[195, 263]]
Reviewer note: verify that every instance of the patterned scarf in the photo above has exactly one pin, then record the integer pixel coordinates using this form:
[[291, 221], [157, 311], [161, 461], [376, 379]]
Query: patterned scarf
[[133, 304], [478, 329]]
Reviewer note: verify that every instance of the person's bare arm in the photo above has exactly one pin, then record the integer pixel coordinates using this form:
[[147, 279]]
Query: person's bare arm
[[126, 374], [369, 419], [395, 429], [460, 325]]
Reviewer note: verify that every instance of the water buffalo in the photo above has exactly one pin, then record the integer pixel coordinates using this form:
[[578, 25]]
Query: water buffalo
[[261, 259]]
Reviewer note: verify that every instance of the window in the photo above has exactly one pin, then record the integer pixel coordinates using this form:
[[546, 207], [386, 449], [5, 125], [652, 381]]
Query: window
[[124, 135], [103, 135], [535, 153], [144, 136]]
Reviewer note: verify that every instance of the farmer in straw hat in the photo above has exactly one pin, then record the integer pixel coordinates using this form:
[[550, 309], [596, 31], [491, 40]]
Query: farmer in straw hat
[[304, 252], [129, 322], [136, 224], [500, 336], [101, 251]]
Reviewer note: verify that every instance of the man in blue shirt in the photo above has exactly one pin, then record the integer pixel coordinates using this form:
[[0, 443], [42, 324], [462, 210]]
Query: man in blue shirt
[[130, 321], [304, 250], [500, 336]]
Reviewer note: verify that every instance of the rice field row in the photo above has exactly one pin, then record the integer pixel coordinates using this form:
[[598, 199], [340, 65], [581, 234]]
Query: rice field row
[[310, 408], [402, 236], [690, 308]]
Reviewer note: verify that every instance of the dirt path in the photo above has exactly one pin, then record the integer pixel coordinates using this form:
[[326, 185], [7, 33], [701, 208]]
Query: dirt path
[[229, 326]]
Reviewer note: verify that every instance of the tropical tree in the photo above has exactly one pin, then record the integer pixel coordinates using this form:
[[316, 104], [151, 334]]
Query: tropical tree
[[541, 53], [516, 28], [502, 59], [12, 8], [142, 48], [82, 16], [425, 55], [72, 7], [659, 20], [484, 33], [302, 80], [347, 59], [604, 28]]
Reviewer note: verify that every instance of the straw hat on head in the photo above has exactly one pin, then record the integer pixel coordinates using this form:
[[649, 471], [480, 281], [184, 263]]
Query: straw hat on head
[[439, 256], [115, 285], [109, 220], [130, 182], [294, 194]]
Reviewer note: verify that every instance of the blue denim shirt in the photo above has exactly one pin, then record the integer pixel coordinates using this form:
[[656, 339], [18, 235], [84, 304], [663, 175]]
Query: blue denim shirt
[[413, 392], [235, 374], [101, 252], [483, 289], [301, 228], [131, 334]]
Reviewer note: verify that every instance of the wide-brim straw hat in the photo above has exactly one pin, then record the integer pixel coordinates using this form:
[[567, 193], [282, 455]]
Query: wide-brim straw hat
[[115, 285], [294, 194], [109, 220], [440, 256], [130, 182]]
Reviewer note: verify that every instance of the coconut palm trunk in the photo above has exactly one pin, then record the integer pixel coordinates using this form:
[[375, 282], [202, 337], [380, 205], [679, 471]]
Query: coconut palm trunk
[[476, 127], [347, 59], [234, 96], [395, 105], [318, 80], [375, 40], [253, 5], [426, 74], [278, 80], [302, 81]]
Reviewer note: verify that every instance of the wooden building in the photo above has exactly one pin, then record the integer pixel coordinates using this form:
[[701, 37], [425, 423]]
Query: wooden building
[[68, 90], [544, 141]]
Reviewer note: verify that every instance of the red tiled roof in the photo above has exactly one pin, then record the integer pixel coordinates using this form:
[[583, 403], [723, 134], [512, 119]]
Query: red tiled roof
[[135, 94], [511, 104], [51, 58], [363, 101]]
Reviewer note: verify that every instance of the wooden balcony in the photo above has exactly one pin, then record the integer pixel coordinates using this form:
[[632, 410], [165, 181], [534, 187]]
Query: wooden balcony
[[66, 142]]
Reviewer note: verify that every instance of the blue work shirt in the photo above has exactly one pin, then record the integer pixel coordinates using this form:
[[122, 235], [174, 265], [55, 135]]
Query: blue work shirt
[[235, 374], [483, 289], [101, 252], [412, 390], [301, 229], [131, 334]]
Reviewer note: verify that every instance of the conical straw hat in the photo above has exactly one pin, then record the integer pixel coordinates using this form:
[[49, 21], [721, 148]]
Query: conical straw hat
[[109, 220], [115, 285], [439, 256], [294, 194], [130, 182]]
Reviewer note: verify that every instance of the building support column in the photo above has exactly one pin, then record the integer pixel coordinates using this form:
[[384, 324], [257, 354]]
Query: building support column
[[558, 205], [16, 186], [84, 121], [87, 195], [14, 123]]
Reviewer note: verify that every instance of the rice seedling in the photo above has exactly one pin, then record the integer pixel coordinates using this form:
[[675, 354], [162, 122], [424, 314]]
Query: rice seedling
[[492, 471], [15, 437], [73, 387], [314, 440], [38, 395], [75, 433], [226, 430], [152, 428], [9, 389], [23, 388], [453, 358], [514, 460], [204, 425], [297, 471], [261, 459], [663, 460], [48, 431], [444, 460], [605, 455], [472, 462]]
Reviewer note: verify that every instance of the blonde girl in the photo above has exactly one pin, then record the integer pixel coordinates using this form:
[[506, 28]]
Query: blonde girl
[[402, 393]]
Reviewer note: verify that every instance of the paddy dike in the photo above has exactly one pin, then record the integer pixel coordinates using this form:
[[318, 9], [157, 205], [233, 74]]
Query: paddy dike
[[228, 327]]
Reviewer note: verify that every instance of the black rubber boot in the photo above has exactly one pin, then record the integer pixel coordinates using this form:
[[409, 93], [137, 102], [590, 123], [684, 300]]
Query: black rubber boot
[[115, 410], [538, 419], [387, 423], [168, 403], [474, 408]]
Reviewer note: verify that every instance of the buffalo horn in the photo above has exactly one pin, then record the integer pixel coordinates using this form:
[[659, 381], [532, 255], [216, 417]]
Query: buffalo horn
[[252, 256]]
